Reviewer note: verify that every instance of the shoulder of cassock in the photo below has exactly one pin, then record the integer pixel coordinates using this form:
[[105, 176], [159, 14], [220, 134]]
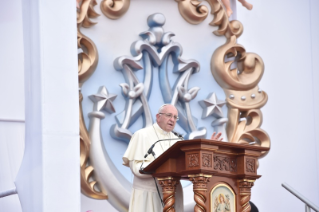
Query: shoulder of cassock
[[139, 144]]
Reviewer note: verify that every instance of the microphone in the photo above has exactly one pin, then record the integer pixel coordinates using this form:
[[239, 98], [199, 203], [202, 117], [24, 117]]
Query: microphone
[[150, 150], [178, 135]]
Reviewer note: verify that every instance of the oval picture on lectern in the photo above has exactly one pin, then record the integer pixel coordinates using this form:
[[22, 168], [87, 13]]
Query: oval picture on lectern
[[222, 199]]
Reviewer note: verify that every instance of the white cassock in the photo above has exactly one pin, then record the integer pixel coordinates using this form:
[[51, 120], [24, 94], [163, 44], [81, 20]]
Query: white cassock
[[144, 196]]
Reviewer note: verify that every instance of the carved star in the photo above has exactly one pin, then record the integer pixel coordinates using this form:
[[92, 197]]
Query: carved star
[[212, 106], [103, 100]]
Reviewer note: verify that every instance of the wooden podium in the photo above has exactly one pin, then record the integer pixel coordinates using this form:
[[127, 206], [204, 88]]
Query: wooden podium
[[222, 173]]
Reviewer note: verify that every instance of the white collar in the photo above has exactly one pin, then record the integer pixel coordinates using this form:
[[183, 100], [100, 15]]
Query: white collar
[[160, 130]]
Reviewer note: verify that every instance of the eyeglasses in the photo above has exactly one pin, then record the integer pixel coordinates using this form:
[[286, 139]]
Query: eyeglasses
[[169, 115]]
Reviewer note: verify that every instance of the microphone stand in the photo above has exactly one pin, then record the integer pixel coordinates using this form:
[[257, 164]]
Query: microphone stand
[[150, 151]]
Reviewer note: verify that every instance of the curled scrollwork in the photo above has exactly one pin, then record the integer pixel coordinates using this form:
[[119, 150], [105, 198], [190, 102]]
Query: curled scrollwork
[[86, 12], [87, 62], [87, 59], [225, 27], [194, 13], [244, 97], [240, 84], [114, 9]]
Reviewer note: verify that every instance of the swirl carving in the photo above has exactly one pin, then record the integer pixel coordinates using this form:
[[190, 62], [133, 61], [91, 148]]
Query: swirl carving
[[240, 84], [225, 163], [245, 194], [114, 9], [225, 27], [250, 165], [193, 160], [87, 62], [200, 187], [168, 187], [244, 97], [194, 13], [207, 160], [85, 12]]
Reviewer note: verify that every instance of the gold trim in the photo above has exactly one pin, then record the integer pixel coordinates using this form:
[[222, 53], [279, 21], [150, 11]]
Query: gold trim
[[220, 185], [240, 83], [114, 9], [237, 154], [85, 12], [199, 194], [245, 204], [199, 148], [246, 180], [192, 11], [168, 192], [87, 62], [243, 95], [200, 175], [198, 205], [244, 194], [169, 209], [246, 208], [166, 178]]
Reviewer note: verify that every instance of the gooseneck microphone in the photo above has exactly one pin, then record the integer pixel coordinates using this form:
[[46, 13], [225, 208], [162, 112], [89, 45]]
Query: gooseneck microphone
[[150, 150], [178, 135]]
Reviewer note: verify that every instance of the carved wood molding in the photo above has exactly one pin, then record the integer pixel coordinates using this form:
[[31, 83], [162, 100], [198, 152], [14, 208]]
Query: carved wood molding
[[250, 165], [207, 160], [200, 188], [193, 160], [245, 186], [168, 185], [224, 163]]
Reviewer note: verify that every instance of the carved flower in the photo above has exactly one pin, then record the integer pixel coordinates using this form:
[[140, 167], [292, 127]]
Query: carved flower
[[132, 94], [187, 96]]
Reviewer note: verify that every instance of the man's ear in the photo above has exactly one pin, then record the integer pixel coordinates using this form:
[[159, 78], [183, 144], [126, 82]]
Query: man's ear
[[157, 116]]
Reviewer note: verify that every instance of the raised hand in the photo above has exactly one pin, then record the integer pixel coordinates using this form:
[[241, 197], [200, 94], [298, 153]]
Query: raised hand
[[216, 137]]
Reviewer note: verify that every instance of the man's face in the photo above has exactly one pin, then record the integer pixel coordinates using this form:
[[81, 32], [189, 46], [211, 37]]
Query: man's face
[[166, 123]]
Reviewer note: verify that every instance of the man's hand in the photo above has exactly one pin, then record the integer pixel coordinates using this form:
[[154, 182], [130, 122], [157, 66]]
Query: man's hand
[[216, 137]]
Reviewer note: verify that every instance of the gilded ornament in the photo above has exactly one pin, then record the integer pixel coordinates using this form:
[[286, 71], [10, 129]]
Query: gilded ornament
[[87, 62], [192, 11], [241, 81], [86, 12], [244, 117], [114, 9]]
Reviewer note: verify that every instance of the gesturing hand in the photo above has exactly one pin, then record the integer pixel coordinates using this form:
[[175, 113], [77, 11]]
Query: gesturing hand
[[216, 136]]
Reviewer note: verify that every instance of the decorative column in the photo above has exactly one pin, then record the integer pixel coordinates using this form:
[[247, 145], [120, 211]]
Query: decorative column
[[48, 179], [200, 188], [244, 186], [168, 188]]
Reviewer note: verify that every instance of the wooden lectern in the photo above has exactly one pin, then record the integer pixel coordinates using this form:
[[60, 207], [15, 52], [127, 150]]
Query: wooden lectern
[[222, 173]]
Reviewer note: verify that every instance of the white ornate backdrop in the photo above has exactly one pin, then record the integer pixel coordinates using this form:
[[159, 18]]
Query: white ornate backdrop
[[285, 34]]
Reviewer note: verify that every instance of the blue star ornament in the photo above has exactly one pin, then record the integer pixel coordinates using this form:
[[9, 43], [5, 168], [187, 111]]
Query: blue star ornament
[[103, 100], [212, 106]]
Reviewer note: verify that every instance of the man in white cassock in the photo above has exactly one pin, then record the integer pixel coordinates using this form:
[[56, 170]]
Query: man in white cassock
[[144, 196]]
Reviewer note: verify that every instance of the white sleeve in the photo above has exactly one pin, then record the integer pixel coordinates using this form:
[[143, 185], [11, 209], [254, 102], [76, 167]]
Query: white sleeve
[[135, 166]]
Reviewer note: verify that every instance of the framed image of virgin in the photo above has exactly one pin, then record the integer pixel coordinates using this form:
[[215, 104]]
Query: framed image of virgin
[[223, 199]]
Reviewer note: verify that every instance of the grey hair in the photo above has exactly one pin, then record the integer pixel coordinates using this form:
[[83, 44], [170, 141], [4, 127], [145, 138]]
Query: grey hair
[[161, 108]]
